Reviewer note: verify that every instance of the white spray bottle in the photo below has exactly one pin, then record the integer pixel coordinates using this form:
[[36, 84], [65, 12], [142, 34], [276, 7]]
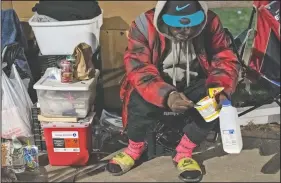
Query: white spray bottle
[[230, 128]]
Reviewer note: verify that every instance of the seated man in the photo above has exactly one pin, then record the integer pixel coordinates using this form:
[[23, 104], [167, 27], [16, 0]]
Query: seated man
[[183, 52]]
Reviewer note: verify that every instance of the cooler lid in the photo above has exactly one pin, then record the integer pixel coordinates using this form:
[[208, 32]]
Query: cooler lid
[[82, 123], [48, 83]]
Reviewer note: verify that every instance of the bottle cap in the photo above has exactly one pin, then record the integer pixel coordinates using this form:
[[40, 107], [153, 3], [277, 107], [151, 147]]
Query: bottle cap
[[226, 102]]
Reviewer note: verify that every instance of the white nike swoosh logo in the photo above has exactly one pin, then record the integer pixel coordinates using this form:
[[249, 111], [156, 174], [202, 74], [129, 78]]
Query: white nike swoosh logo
[[181, 8]]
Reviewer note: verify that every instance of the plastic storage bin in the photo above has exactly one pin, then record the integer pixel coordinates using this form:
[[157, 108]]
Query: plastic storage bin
[[60, 38], [58, 99], [69, 144]]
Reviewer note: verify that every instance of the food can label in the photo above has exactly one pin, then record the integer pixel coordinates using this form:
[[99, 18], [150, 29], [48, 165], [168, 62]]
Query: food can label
[[66, 72]]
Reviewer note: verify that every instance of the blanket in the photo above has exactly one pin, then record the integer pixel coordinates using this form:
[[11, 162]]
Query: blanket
[[12, 30]]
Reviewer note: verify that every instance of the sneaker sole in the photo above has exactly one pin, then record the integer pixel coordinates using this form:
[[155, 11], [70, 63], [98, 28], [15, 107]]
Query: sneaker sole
[[191, 180]]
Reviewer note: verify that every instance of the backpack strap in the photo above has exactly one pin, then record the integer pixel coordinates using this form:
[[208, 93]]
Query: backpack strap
[[142, 24]]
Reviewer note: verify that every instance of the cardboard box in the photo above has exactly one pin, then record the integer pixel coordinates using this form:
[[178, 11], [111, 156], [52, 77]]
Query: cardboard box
[[113, 45], [6, 5], [120, 14], [24, 9]]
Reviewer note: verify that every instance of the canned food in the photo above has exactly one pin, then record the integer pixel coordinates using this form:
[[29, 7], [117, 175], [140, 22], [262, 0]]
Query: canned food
[[207, 108], [66, 71], [31, 157]]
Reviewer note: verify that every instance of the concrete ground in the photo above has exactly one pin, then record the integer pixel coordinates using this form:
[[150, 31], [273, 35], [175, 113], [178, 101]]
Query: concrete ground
[[258, 162]]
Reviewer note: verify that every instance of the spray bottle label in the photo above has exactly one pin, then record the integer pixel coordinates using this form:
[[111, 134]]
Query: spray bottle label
[[229, 137]]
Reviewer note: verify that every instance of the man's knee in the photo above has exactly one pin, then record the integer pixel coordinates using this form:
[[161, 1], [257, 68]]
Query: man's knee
[[138, 106], [197, 131], [139, 121]]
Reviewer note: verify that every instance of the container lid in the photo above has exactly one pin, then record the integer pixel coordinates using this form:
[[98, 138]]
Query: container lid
[[226, 102], [82, 123], [48, 83], [33, 23]]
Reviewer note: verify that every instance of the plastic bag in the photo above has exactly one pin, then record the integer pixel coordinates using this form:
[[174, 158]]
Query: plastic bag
[[53, 73], [20, 86], [16, 107]]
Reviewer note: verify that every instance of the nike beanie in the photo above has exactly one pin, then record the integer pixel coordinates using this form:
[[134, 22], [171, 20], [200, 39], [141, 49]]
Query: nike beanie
[[181, 8]]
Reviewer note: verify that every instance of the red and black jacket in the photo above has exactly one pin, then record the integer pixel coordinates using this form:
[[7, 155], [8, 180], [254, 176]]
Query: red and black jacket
[[143, 54]]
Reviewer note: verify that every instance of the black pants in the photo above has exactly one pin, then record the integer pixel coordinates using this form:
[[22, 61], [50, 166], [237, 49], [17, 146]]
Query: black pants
[[142, 115]]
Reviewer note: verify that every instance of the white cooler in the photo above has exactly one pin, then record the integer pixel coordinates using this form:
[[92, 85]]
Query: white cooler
[[60, 38], [58, 99]]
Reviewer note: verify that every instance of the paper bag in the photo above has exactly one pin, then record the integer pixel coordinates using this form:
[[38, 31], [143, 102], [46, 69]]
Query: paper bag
[[83, 68]]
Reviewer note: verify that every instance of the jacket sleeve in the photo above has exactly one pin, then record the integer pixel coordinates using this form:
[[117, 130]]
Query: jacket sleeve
[[141, 73], [224, 66]]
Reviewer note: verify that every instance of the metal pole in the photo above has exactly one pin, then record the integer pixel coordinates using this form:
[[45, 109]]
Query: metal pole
[[249, 27]]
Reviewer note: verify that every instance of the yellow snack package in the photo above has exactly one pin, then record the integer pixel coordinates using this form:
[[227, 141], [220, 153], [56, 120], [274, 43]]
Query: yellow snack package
[[214, 91]]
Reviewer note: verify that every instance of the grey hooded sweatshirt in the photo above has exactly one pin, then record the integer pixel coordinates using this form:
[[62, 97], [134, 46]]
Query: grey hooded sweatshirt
[[179, 61]]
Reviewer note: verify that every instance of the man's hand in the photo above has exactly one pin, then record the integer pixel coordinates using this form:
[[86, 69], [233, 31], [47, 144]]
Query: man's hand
[[178, 102], [220, 98]]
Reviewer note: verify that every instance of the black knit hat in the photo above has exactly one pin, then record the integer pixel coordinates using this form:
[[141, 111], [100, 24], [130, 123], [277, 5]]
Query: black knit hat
[[175, 11]]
